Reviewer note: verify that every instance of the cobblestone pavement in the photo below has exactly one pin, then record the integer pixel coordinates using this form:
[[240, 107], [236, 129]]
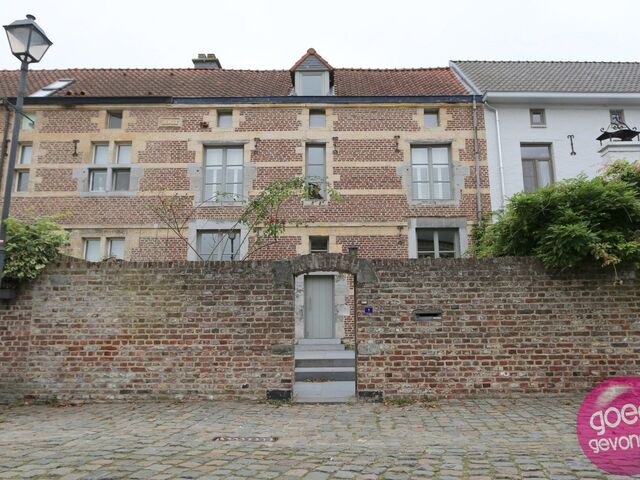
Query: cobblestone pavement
[[479, 439]]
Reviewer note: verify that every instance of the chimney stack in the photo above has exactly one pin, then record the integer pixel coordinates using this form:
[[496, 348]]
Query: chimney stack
[[206, 60]]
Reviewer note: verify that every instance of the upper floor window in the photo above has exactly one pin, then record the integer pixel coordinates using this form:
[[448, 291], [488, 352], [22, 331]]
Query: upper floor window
[[537, 117], [317, 118], [438, 243], [312, 84], [431, 118], [22, 170], [97, 249], [616, 116], [111, 170], [219, 245], [316, 171], [223, 179], [114, 119], [225, 118], [431, 173], [536, 166]]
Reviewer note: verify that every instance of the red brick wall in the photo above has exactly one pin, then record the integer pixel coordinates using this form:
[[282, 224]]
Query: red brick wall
[[69, 121], [147, 331], [375, 119], [269, 119], [166, 151], [508, 326], [209, 329]]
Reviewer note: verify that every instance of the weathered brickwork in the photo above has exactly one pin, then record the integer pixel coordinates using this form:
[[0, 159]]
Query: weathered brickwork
[[55, 180], [368, 151], [149, 120], [57, 153], [269, 119], [205, 329], [160, 249], [376, 246], [376, 119], [368, 161], [166, 151], [506, 326], [69, 121], [159, 179], [153, 331]]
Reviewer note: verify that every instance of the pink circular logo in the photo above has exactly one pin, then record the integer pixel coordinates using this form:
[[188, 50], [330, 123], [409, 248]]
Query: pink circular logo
[[608, 425]]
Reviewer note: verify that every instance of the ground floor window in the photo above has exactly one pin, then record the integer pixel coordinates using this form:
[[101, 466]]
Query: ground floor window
[[220, 245], [438, 243]]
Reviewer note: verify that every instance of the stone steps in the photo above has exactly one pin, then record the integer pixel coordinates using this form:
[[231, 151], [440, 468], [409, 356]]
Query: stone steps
[[324, 392], [324, 372]]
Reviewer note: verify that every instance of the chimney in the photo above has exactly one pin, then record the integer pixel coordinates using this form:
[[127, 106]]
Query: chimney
[[206, 60]]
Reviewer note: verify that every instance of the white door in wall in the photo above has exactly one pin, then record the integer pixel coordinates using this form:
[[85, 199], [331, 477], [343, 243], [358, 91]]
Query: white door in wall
[[319, 306]]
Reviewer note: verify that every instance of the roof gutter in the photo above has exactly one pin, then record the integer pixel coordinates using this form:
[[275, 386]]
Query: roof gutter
[[86, 100], [330, 99], [558, 97]]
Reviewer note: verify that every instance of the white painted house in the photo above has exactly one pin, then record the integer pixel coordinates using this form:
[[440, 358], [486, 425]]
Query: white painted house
[[543, 119]]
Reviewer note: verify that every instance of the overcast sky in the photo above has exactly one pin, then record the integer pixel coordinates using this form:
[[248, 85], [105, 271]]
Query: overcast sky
[[273, 34]]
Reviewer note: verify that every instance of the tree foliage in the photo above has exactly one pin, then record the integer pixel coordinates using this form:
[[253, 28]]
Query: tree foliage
[[261, 216], [571, 223], [31, 246]]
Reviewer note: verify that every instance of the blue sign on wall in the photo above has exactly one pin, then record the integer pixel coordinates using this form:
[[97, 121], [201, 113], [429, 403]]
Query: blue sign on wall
[[368, 309]]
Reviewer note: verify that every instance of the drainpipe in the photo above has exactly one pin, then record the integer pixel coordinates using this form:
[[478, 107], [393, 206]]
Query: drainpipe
[[476, 159], [5, 136], [500, 162]]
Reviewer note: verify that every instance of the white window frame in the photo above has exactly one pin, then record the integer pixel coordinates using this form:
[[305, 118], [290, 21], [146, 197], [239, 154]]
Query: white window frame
[[323, 178], [110, 247], [112, 166], [317, 112], [299, 89], [115, 114], [431, 182], [85, 247], [220, 114], [535, 161], [235, 244], [22, 168], [431, 111], [543, 115], [221, 197], [436, 242]]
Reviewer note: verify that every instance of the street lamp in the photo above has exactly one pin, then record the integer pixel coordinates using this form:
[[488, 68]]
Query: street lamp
[[28, 44]]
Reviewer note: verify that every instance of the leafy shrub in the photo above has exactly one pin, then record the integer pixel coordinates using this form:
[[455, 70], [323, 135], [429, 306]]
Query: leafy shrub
[[31, 246], [571, 223]]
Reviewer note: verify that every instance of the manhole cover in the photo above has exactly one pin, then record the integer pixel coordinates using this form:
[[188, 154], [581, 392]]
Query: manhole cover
[[245, 439]]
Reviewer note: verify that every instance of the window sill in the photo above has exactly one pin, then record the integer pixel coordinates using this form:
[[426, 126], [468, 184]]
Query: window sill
[[538, 126], [107, 194], [317, 203], [222, 204]]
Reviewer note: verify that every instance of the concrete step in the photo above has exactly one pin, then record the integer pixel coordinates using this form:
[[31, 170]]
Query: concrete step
[[319, 341], [325, 362], [319, 346], [324, 392], [327, 354], [338, 374]]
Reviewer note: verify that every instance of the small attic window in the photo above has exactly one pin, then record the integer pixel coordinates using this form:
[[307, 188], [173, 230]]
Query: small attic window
[[52, 88]]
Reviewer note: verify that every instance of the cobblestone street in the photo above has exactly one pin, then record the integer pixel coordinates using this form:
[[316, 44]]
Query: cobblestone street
[[482, 439]]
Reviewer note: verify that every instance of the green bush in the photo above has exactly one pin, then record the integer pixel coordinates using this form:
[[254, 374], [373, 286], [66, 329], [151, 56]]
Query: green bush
[[571, 223], [31, 246]]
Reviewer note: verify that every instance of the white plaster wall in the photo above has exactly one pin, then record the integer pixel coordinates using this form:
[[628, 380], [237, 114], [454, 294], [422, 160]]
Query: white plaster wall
[[583, 121]]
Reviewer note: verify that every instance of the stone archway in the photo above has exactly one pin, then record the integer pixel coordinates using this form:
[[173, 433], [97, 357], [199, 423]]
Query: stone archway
[[324, 364]]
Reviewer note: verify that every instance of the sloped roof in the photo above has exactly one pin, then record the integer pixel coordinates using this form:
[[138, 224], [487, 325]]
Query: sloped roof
[[311, 53], [564, 77], [202, 82]]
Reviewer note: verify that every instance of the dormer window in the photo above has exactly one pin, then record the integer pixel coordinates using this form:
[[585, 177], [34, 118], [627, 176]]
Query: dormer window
[[312, 84], [312, 75]]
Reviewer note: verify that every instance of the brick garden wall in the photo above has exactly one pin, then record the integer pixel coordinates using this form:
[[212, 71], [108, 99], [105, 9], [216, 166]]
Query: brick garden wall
[[220, 330]]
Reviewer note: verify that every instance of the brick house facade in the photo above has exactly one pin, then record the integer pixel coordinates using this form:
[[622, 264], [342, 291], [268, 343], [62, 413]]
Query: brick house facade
[[106, 145]]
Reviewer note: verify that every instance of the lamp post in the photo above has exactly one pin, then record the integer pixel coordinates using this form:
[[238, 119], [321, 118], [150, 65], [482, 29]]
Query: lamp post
[[28, 44]]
